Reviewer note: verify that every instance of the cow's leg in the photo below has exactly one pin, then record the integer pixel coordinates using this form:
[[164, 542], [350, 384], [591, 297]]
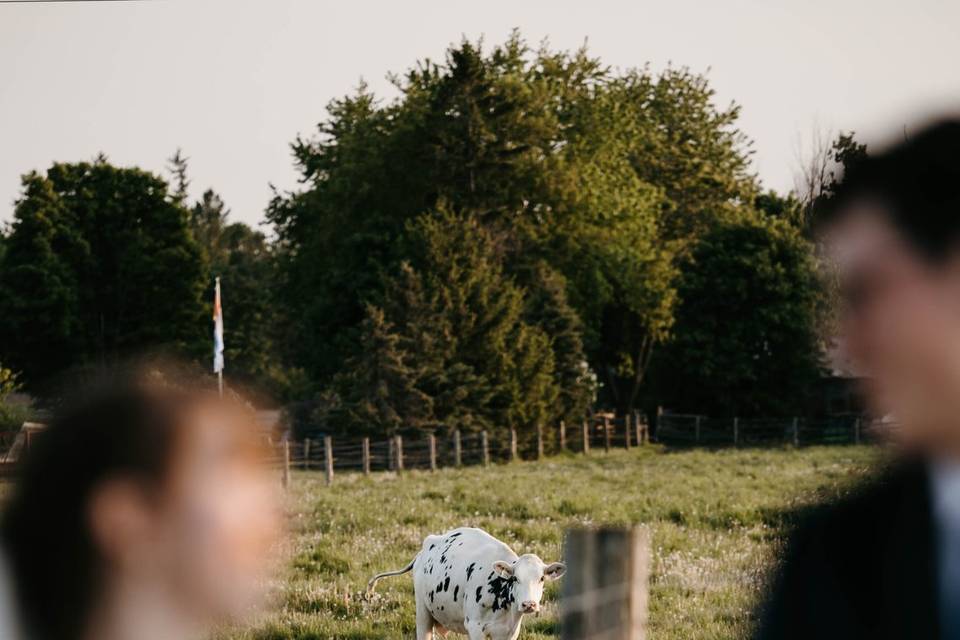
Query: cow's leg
[[475, 631], [424, 621]]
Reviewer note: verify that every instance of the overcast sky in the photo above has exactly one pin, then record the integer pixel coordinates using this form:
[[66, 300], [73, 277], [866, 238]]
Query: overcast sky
[[233, 82]]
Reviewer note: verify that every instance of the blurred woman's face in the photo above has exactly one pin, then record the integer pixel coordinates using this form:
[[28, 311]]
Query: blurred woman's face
[[221, 519], [208, 538]]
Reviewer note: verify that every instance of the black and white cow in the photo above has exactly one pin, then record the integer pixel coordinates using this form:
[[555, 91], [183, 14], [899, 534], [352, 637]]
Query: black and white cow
[[469, 582]]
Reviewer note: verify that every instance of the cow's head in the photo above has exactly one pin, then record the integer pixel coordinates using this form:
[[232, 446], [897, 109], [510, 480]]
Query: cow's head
[[528, 574]]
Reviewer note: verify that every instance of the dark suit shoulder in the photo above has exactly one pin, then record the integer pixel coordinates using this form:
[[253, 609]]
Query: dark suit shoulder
[[850, 558]]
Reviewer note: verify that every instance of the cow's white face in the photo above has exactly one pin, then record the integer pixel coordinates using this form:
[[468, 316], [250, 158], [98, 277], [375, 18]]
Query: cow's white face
[[529, 574]]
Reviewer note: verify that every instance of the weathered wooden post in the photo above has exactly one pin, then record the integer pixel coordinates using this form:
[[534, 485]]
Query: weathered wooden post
[[626, 430], [605, 588], [485, 446], [539, 441], [433, 451], [856, 431], [306, 454], [328, 458], [796, 432], [285, 479], [457, 449], [736, 431], [563, 436], [639, 425], [399, 448], [366, 456], [586, 437], [513, 444], [606, 434]]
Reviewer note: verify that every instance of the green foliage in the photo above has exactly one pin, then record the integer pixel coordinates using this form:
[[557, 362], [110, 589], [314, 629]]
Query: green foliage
[[684, 144], [599, 179], [787, 208], [745, 340], [99, 264], [11, 417]]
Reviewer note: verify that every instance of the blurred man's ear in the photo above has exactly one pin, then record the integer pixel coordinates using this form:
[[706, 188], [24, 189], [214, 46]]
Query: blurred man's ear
[[119, 514]]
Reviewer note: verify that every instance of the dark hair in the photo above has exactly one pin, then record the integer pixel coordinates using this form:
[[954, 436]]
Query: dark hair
[[918, 182], [123, 426]]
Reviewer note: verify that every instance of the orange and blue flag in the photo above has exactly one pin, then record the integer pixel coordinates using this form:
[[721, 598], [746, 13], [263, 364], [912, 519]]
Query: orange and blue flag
[[217, 330]]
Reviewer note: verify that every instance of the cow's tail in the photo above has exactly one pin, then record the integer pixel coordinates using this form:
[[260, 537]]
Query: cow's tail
[[386, 574]]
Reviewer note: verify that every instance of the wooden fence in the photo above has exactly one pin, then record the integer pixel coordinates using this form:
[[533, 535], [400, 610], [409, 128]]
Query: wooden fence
[[432, 452]]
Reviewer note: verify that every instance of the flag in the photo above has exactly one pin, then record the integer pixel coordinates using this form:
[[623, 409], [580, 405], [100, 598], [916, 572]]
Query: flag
[[217, 330]]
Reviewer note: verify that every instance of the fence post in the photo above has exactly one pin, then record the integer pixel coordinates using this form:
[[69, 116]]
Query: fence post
[[657, 423], [606, 434], [285, 479], [328, 458], [605, 589], [433, 451], [366, 456], [399, 449], [637, 424], [306, 454], [586, 437], [796, 432], [856, 431], [513, 444], [736, 430], [696, 430], [485, 445], [539, 441], [392, 453], [457, 449]]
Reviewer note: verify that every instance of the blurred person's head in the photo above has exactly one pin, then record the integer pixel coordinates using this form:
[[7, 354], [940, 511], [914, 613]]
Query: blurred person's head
[[142, 511], [893, 232]]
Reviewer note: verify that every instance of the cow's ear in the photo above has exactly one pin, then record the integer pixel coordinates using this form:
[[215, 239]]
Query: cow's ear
[[503, 569], [554, 570]]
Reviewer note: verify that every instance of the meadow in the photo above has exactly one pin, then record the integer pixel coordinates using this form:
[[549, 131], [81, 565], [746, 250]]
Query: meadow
[[717, 520]]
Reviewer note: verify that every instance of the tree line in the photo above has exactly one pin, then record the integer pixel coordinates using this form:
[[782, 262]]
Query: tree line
[[519, 236]]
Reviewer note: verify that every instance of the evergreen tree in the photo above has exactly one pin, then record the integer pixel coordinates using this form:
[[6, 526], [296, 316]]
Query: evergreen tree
[[178, 168], [378, 387], [208, 220], [547, 307], [100, 264]]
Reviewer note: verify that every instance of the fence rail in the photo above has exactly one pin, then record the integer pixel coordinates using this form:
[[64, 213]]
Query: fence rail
[[696, 430]]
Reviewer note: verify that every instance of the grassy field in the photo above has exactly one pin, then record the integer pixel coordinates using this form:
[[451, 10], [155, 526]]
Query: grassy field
[[716, 519]]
